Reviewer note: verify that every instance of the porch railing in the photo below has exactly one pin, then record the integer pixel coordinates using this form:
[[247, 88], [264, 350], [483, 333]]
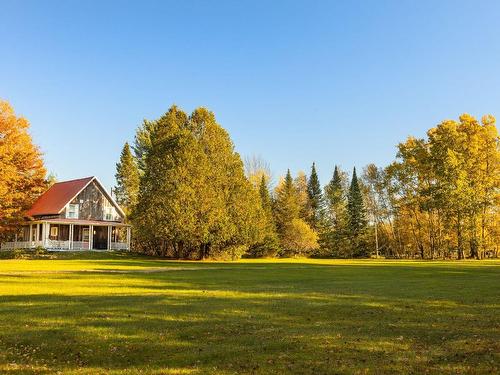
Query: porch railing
[[57, 245], [20, 245], [80, 245], [119, 246]]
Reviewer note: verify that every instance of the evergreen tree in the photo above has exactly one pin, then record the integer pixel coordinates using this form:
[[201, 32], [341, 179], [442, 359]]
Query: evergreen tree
[[143, 143], [265, 197], [269, 247], [356, 217], [127, 180], [194, 198], [296, 236], [316, 202], [333, 239], [287, 204]]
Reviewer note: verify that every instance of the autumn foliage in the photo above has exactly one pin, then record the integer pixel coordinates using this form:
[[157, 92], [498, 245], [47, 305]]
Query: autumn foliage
[[22, 172]]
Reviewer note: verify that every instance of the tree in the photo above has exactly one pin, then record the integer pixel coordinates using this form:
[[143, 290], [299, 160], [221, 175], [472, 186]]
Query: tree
[[289, 211], [373, 181], [333, 239], [269, 247], [22, 171], [316, 202], [299, 239], [194, 198], [143, 142], [127, 180], [356, 217], [256, 168], [300, 183], [441, 191], [286, 204]]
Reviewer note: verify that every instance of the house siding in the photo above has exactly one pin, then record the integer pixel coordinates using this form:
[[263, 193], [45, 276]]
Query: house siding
[[92, 204]]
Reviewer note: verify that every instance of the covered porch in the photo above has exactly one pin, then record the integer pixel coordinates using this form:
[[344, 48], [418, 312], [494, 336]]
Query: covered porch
[[61, 234]]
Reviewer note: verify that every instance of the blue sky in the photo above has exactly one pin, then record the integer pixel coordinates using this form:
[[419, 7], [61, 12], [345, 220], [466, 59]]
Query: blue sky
[[335, 82]]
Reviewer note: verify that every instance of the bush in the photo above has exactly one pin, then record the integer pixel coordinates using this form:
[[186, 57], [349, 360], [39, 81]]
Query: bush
[[232, 252]]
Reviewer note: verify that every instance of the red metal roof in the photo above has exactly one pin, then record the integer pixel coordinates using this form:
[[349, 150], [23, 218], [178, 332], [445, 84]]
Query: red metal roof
[[53, 200]]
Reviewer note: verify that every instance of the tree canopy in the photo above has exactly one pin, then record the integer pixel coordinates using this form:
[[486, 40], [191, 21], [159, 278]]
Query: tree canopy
[[22, 171]]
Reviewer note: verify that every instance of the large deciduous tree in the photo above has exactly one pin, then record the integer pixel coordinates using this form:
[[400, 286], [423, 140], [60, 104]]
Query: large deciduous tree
[[22, 171]]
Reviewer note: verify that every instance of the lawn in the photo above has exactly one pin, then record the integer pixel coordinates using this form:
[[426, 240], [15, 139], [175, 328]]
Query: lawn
[[122, 314]]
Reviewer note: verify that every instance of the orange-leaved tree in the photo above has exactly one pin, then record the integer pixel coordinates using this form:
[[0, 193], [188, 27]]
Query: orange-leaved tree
[[22, 172]]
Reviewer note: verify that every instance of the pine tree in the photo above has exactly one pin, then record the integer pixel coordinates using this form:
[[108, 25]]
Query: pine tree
[[356, 217], [316, 202], [127, 180], [143, 143], [287, 204], [265, 197], [333, 239], [296, 236], [269, 247]]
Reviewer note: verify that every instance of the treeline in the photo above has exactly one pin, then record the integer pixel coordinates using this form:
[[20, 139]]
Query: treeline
[[187, 194]]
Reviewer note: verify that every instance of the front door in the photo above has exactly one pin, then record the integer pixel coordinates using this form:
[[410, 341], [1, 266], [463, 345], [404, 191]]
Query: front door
[[100, 240]]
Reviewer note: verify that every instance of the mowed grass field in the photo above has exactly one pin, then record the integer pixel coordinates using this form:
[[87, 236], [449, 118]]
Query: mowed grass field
[[124, 314]]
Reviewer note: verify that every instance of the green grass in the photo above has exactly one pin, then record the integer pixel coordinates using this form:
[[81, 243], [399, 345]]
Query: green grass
[[121, 314]]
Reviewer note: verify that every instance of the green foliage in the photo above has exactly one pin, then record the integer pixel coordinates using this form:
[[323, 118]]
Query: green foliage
[[269, 246], [127, 180], [287, 203], [356, 219], [316, 202], [299, 239], [290, 211], [194, 199]]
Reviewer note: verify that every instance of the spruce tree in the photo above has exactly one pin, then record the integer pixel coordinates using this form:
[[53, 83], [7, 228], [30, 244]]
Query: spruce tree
[[127, 180], [286, 205], [265, 197], [316, 202], [269, 247], [356, 217], [296, 236], [333, 239]]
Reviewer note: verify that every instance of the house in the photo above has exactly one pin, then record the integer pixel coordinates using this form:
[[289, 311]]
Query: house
[[74, 215]]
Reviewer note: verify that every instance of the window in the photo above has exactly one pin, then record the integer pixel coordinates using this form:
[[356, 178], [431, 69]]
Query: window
[[72, 212], [109, 213], [54, 231], [85, 235]]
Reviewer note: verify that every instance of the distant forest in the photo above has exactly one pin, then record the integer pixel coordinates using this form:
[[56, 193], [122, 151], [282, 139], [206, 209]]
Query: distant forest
[[190, 195]]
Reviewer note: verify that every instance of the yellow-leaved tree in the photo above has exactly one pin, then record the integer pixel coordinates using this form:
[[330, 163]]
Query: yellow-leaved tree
[[22, 172]]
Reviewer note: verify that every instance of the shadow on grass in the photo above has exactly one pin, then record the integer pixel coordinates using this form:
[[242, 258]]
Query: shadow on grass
[[283, 318]]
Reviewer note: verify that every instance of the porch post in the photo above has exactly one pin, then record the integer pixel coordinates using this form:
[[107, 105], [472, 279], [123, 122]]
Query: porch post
[[42, 239], [91, 236], [71, 229], [128, 238], [109, 237], [30, 239], [45, 234]]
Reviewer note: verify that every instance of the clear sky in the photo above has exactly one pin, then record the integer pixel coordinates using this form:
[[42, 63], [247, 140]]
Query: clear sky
[[336, 82]]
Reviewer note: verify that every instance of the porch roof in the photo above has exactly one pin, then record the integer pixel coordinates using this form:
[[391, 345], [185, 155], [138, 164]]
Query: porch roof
[[80, 222]]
